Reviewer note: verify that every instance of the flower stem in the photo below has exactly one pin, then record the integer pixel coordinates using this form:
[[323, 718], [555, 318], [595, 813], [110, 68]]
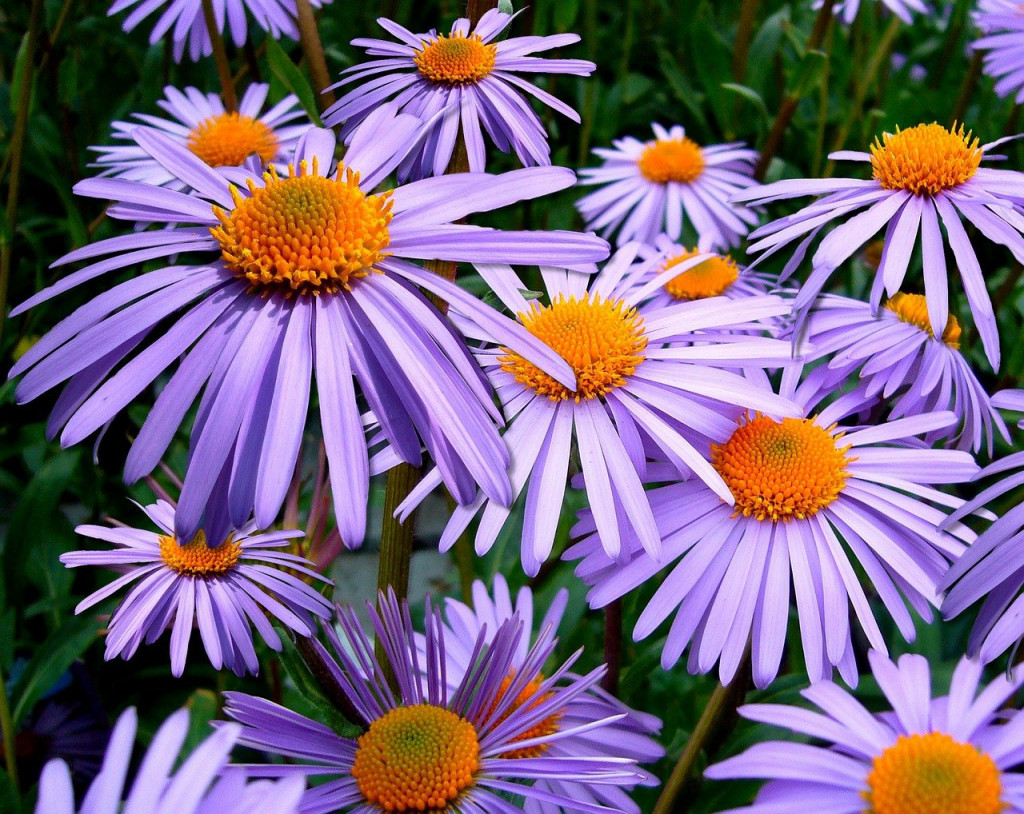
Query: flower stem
[[7, 725], [332, 690], [612, 646], [220, 58], [313, 51], [744, 32], [963, 98]]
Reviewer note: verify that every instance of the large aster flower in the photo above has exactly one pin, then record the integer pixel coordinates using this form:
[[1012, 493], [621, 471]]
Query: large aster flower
[[224, 588], [802, 487], [846, 10], [645, 387], [203, 784], [922, 177], [428, 747], [1002, 23], [953, 754], [297, 276], [465, 81], [201, 124], [652, 187]]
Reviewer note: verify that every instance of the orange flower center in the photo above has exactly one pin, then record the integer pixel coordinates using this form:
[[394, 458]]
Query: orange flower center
[[197, 559], [709, 279], [677, 160], [304, 234], [602, 340], [456, 60], [933, 774], [418, 758], [527, 700], [780, 470], [227, 139], [913, 309], [925, 159]]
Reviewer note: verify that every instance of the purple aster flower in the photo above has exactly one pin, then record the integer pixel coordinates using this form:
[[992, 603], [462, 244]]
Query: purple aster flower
[[429, 747], [224, 588], [954, 754], [463, 82], [201, 124], [644, 388], [652, 187], [1002, 23], [299, 276], [203, 784], [801, 487], [921, 177], [846, 10]]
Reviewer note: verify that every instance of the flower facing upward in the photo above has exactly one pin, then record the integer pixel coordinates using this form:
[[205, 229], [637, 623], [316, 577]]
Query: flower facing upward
[[1002, 23], [466, 81], [954, 754], [648, 188], [921, 177]]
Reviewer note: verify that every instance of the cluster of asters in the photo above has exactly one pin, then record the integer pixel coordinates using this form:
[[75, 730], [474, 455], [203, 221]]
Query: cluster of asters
[[744, 445]]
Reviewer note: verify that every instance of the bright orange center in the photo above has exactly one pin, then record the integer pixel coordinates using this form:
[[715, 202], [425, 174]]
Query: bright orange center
[[781, 470], [925, 159], [197, 559], [933, 774], [527, 700], [456, 60], [227, 139], [304, 234], [602, 340], [913, 309], [709, 279], [677, 160], [417, 758]]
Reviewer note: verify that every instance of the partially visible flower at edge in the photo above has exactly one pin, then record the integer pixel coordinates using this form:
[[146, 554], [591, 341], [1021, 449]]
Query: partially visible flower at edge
[[1002, 23]]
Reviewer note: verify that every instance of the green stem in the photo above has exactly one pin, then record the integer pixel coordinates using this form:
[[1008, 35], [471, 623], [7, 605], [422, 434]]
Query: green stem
[[7, 725], [589, 88], [819, 139], [744, 33], [963, 98], [220, 58], [313, 51]]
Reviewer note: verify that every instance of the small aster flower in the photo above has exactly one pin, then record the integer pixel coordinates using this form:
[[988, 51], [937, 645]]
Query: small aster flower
[[1002, 23], [428, 747], [464, 82], [921, 177], [652, 187], [201, 124], [954, 754], [297, 276], [800, 486], [203, 784], [846, 10], [224, 588]]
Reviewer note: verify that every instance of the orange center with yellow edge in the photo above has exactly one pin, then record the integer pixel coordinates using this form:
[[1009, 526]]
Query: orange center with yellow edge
[[933, 774], [418, 758], [711, 278], [456, 60], [527, 700], [602, 340], [679, 160], [781, 470], [304, 234], [925, 159], [197, 559], [227, 139], [913, 309]]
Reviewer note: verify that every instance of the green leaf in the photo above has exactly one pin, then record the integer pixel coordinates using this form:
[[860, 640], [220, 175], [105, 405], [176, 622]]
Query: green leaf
[[8, 796], [310, 691], [21, 64], [749, 94], [293, 79], [202, 708], [565, 14], [809, 74]]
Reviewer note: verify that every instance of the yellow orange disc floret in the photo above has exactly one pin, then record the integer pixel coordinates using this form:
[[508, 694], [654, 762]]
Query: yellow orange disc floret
[[665, 160], [925, 159], [711, 278], [304, 234], [781, 470], [602, 340], [528, 698], [197, 559], [933, 774], [913, 309], [227, 139], [418, 758], [456, 60]]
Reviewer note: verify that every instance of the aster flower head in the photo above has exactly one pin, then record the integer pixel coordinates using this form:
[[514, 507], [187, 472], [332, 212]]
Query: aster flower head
[[846, 10], [1002, 23], [226, 589], [464, 81], [432, 747], [922, 177], [201, 124], [203, 784], [801, 488], [297, 276], [953, 754], [657, 186]]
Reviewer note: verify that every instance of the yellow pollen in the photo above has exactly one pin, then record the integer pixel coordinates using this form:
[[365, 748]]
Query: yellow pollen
[[227, 139], [418, 758], [456, 60], [528, 699], [197, 559], [933, 774], [602, 340], [709, 279], [913, 309], [304, 234], [781, 470], [667, 160], [925, 159]]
